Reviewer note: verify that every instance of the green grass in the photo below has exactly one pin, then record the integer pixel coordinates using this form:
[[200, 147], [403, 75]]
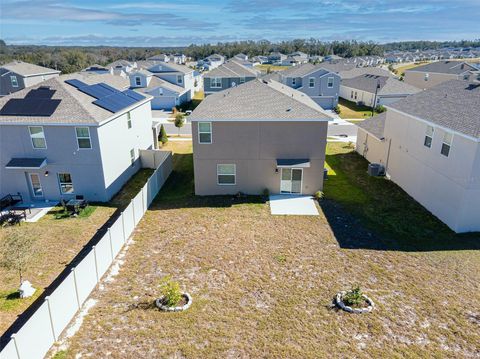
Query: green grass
[[131, 188], [267, 67], [384, 207], [351, 110], [62, 354]]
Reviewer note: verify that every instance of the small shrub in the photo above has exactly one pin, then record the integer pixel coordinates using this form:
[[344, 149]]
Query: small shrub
[[280, 258], [318, 195], [380, 109], [353, 297], [266, 192], [337, 110], [170, 291], [162, 136]]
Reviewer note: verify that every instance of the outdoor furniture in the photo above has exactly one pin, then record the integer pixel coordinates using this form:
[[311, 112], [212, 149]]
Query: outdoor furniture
[[75, 205], [10, 200]]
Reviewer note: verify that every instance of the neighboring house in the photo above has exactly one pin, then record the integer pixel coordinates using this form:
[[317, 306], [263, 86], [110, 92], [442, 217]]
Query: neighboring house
[[373, 90], [17, 75], [332, 58], [359, 71], [435, 73], [276, 58], [69, 136], [197, 81], [180, 59], [211, 62], [320, 84], [98, 69], [260, 59], [295, 58], [179, 75], [256, 136], [121, 67], [429, 144], [230, 74], [159, 57], [165, 95], [241, 57]]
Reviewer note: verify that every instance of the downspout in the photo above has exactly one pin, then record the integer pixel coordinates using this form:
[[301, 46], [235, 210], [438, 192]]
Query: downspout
[[388, 155]]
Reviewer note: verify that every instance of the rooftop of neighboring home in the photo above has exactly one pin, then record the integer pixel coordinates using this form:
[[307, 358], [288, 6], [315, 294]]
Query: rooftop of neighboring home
[[158, 57], [301, 70], [339, 66], [120, 63], [453, 104], [27, 70], [173, 66], [232, 68], [82, 101], [388, 85], [358, 71], [445, 67], [374, 125], [156, 82], [259, 100]]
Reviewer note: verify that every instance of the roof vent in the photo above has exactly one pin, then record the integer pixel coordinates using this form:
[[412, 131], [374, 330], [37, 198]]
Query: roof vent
[[289, 109]]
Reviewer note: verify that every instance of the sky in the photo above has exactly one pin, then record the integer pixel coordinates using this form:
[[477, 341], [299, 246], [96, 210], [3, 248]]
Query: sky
[[183, 22]]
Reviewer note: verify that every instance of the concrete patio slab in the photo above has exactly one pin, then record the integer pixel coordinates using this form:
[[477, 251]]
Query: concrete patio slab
[[293, 205]]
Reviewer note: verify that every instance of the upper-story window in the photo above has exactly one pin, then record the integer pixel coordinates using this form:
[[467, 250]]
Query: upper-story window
[[447, 143], [179, 79], [216, 82], [426, 77], [132, 156], [294, 81], [330, 82], [129, 120], [14, 80], [38, 137], [138, 81], [204, 132], [83, 137], [428, 137], [311, 82]]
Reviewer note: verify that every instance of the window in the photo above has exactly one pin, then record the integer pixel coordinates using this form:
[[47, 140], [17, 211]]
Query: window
[[242, 80], [14, 81], [204, 132], [38, 137], [179, 79], [330, 82], [216, 82], [132, 156], [138, 81], [351, 95], [428, 137], [311, 82], [226, 174], [66, 183], [294, 81], [447, 143], [356, 95], [83, 137], [129, 120], [426, 77]]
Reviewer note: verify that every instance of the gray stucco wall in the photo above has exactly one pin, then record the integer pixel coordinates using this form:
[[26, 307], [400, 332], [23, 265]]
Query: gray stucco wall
[[254, 148]]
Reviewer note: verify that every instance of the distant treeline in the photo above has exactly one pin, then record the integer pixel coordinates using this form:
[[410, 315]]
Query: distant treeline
[[70, 59]]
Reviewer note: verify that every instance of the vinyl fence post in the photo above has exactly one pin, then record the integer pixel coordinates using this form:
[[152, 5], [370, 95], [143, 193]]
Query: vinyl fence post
[[47, 299], [123, 228], [76, 287], [13, 336], [110, 240], [96, 265], [133, 211], [143, 201]]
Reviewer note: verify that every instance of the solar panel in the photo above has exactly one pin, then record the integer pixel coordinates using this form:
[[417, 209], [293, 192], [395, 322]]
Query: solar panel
[[30, 107], [115, 102], [76, 83], [41, 92], [113, 89], [134, 95], [96, 91]]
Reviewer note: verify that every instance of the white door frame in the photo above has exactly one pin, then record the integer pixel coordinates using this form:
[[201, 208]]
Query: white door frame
[[291, 175], [31, 184]]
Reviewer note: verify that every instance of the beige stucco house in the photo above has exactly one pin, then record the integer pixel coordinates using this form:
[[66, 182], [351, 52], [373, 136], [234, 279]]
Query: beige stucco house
[[429, 144], [256, 136]]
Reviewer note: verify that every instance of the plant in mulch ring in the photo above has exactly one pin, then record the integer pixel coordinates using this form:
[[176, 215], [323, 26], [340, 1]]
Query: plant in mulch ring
[[354, 301], [172, 299]]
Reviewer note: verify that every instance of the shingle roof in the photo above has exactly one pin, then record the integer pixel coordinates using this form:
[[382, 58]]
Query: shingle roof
[[26, 69], [358, 71], [259, 100], [300, 70], [175, 67], [121, 63], [338, 66], [232, 69], [158, 82], [374, 125], [453, 104], [75, 106], [388, 85], [444, 67]]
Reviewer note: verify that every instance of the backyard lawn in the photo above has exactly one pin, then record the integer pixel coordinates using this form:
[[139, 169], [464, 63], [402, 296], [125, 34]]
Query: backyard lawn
[[262, 285], [267, 67], [350, 110], [57, 242]]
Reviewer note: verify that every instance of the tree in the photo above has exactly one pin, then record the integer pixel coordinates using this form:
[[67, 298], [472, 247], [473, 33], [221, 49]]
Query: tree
[[163, 135], [16, 252], [179, 122]]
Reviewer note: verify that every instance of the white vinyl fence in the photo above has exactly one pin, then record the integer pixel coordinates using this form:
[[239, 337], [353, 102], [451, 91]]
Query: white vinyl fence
[[44, 327]]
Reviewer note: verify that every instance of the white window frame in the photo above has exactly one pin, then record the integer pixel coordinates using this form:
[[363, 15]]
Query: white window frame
[[83, 138], [179, 79], [14, 80], [60, 183], [429, 136], [310, 83], [328, 82], [129, 120], [447, 144], [202, 132], [138, 81], [132, 156], [43, 136], [215, 84], [32, 187], [229, 174]]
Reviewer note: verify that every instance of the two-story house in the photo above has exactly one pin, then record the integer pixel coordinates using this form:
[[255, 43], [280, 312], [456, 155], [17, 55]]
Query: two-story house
[[321, 85], [165, 94], [211, 62], [68, 136], [256, 136], [176, 74], [276, 58], [429, 144], [230, 74], [17, 75], [435, 73], [122, 67]]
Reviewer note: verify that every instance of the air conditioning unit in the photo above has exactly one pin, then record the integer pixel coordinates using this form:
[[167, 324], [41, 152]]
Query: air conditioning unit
[[376, 169]]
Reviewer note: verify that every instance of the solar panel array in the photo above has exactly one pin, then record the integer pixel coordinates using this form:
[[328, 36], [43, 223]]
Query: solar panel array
[[107, 97], [37, 102]]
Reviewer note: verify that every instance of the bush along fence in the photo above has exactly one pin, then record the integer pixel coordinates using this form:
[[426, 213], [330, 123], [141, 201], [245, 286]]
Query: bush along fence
[[37, 335]]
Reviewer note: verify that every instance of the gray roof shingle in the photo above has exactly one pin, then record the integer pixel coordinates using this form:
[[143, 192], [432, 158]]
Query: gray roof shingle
[[388, 85], [26, 69], [374, 125], [232, 69], [444, 67]]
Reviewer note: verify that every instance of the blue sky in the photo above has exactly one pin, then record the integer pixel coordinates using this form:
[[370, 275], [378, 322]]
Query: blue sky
[[182, 22]]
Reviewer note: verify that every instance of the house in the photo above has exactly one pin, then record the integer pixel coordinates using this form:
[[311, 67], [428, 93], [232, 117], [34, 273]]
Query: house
[[276, 58], [360, 71], [332, 58], [429, 144], [98, 69], [321, 85], [230, 74], [180, 59], [432, 74], [256, 136], [211, 62], [70, 136], [17, 75], [295, 58], [121, 67], [179, 75], [260, 59], [241, 57], [165, 94], [159, 57], [374, 90]]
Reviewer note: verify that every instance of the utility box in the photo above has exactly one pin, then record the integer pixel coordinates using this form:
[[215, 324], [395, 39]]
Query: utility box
[[376, 169]]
